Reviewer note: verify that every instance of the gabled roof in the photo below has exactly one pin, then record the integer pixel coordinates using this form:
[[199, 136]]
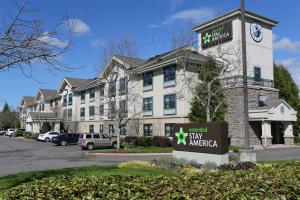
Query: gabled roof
[[28, 100], [47, 92], [171, 57], [272, 103], [72, 82], [133, 62], [236, 13], [89, 85], [128, 62]]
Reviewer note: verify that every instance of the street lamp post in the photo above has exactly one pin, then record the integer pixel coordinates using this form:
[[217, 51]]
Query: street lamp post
[[246, 154], [245, 81]]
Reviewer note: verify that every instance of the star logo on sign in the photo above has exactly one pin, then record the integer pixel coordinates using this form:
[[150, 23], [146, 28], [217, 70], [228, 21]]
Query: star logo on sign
[[181, 136], [206, 38]]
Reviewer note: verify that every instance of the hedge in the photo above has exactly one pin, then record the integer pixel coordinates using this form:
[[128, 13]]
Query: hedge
[[281, 181]]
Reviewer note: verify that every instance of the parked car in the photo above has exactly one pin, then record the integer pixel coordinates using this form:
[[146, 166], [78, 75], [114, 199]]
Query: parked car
[[2, 132], [90, 141], [10, 131], [47, 137], [66, 138]]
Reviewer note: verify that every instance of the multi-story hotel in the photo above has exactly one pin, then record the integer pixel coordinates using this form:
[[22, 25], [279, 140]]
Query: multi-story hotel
[[146, 97]]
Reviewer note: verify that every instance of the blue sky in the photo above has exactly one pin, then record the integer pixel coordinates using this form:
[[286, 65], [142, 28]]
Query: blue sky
[[150, 22]]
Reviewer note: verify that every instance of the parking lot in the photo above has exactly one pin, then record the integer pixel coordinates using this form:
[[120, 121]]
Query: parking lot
[[18, 155]]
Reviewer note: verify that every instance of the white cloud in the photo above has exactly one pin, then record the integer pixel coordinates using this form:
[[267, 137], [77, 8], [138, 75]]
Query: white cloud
[[293, 66], [78, 26], [46, 38], [175, 3], [197, 15], [97, 42], [286, 44]]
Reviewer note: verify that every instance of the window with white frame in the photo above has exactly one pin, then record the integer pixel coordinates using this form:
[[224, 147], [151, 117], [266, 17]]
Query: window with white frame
[[82, 113], [91, 128], [148, 130], [170, 73], [111, 129], [101, 110], [168, 129], [92, 112], [101, 128], [92, 94], [82, 96]]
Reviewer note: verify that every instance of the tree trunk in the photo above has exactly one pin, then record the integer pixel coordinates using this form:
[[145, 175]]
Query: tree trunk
[[118, 139]]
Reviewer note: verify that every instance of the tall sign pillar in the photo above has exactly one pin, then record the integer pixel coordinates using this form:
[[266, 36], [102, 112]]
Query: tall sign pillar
[[246, 154]]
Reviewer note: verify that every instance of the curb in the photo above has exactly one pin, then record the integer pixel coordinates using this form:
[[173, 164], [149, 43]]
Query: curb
[[128, 154]]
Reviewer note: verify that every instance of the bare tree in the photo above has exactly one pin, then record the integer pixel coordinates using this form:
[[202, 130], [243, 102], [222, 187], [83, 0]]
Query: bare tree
[[125, 106], [24, 41]]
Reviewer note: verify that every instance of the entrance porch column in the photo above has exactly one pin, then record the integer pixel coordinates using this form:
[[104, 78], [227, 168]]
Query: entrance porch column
[[288, 133], [266, 135]]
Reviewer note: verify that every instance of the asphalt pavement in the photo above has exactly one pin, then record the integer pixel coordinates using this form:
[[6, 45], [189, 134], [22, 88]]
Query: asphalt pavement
[[19, 155]]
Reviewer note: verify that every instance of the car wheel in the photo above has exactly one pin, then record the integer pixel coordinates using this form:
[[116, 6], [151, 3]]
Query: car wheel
[[63, 143], [47, 139], [90, 146], [114, 145]]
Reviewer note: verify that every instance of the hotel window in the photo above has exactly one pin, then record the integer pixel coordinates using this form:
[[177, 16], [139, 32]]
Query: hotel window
[[92, 94], [112, 89], [123, 130], [148, 130], [257, 74], [111, 129], [70, 99], [148, 81], [65, 100], [170, 101], [148, 105], [43, 106], [112, 108], [82, 97], [101, 110], [82, 113], [170, 73], [101, 90], [91, 129], [91, 112], [123, 86], [69, 114], [123, 106], [168, 130], [101, 128]]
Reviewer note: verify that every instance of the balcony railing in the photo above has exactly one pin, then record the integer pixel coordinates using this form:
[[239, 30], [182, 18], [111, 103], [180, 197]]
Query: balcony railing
[[251, 81]]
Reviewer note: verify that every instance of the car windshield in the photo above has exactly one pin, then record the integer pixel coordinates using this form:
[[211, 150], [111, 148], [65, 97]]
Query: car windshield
[[81, 136]]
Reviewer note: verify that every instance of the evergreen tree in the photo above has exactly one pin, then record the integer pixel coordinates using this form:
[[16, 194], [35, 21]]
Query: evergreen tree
[[288, 90], [209, 101]]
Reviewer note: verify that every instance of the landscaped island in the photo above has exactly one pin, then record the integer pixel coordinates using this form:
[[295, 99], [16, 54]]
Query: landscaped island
[[159, 180]]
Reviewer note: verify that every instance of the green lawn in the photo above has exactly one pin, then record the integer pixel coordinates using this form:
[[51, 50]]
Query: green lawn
[[138, 149], [10, 181]]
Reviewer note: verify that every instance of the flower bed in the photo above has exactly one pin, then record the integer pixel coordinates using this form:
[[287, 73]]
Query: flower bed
[[278, 181]]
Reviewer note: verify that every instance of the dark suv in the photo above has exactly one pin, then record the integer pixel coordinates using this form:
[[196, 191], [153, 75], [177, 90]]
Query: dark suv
[[66, 138]]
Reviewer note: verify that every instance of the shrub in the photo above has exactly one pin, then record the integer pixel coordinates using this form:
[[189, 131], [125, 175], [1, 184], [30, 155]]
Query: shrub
[[161, 141], [27, 135], [130, 139], [18, 133], [238, 166], [136, 164], [278, 182], [143, 141]]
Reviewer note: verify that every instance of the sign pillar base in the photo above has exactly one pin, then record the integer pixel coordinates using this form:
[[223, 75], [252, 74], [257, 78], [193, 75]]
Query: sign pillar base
[[202, 158]]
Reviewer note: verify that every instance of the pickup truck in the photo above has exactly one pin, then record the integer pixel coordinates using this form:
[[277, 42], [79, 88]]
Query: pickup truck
[[91, 141]]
